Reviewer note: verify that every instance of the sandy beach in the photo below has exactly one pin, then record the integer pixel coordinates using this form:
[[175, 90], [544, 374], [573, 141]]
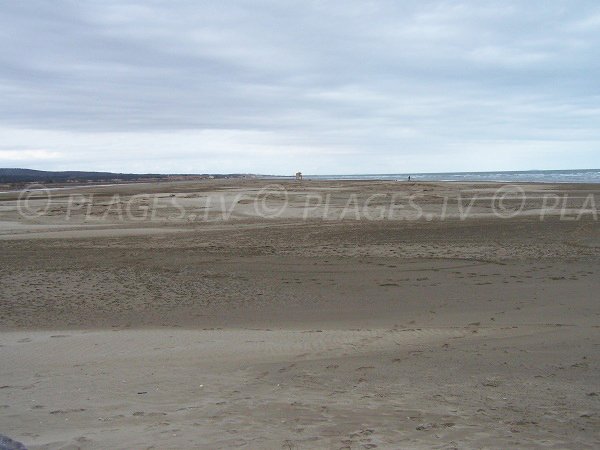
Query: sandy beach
[[301, 315]]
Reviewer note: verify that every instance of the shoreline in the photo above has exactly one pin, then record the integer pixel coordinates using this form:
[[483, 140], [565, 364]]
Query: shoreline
[[306, 179]]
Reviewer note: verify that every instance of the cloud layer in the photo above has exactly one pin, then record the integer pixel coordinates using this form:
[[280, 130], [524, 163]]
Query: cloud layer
[[323, 87]]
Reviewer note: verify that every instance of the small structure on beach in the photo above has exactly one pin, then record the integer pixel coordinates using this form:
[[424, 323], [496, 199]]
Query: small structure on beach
[[299, 176]]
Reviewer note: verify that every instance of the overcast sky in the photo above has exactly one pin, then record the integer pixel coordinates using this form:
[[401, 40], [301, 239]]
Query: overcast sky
[[279, 86]]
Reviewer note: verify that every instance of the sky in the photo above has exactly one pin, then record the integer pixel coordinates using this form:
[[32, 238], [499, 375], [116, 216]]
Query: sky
[[324, 87]]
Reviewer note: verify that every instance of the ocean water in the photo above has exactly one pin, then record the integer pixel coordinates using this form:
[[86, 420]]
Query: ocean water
[[539, 176]]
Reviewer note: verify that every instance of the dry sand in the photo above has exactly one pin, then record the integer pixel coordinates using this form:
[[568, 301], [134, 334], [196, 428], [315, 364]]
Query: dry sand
[[212, 327]]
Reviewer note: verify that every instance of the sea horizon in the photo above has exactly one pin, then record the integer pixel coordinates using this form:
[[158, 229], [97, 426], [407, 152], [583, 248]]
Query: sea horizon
[[540, 176]]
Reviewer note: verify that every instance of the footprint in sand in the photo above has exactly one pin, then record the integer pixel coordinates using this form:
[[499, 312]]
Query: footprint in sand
[[66, 411]]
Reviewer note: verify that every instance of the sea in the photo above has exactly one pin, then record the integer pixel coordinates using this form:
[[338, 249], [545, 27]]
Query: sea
[[537, 176]]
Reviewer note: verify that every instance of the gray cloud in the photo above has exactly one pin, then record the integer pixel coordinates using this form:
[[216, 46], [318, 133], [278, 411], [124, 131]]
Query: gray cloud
[[266, 86]]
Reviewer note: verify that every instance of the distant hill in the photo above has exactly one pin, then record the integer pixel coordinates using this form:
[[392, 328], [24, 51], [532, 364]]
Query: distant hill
[[9, 175], [29, 175]]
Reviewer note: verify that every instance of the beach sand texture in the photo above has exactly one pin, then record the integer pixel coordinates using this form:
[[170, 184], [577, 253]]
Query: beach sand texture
[[285, 318]]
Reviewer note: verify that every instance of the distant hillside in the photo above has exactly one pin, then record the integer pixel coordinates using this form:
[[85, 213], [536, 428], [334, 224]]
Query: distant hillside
[[29, 175], [42, 176]]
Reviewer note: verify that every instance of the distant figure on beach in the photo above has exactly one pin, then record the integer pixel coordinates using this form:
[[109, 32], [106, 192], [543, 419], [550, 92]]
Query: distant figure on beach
[[409, 178], [299, 176]]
